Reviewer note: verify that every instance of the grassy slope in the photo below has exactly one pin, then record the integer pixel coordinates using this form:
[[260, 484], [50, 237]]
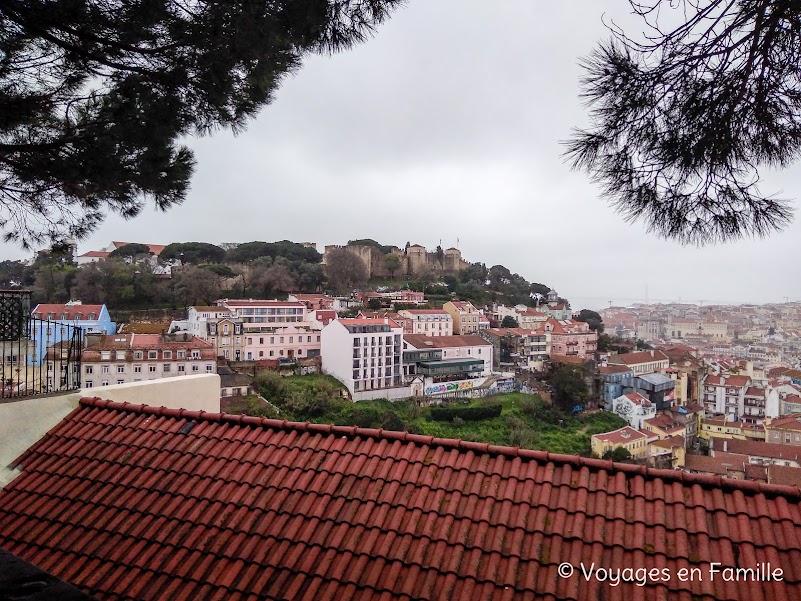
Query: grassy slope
[[513, 427]]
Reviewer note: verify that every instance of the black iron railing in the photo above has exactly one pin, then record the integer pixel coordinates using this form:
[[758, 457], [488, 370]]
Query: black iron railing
[[36, 356]]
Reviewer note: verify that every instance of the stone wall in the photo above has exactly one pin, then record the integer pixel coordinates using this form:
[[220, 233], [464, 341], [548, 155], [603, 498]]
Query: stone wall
[[415, 261]]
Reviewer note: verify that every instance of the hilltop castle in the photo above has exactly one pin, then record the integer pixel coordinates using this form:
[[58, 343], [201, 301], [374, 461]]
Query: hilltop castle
[[415, 260]]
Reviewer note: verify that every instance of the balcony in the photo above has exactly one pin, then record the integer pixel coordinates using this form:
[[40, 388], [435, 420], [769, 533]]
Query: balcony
[[37, 356]]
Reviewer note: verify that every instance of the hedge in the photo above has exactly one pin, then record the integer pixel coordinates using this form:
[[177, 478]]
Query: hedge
[[446, 414]]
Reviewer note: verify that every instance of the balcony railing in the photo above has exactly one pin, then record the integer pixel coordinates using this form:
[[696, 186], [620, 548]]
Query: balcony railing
[[36, 356]]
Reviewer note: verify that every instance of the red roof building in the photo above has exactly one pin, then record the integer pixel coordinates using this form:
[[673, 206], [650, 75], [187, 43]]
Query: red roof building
[[132, 502]]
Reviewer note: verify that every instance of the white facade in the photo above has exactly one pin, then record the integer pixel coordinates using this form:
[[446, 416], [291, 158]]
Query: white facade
[[364, 354], [198, 319], [634, 408]]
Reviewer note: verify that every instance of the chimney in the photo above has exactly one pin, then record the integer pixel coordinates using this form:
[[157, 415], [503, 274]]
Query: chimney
[[652, 353], [725, 445], [386, 320]]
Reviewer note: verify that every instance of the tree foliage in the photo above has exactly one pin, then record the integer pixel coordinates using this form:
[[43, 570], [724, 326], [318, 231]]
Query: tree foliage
[[130, 251], [193, 252], [593, 319], [250, 251], [681, 122], [96, 96], [345, 270], [392, 262], [569, 386], [509, 322]]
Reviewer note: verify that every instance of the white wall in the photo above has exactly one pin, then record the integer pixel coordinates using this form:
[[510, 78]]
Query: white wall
[[25, 421], [336, 350]]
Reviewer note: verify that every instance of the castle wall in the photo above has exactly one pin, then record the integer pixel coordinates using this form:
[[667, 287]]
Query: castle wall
[[414, 261]]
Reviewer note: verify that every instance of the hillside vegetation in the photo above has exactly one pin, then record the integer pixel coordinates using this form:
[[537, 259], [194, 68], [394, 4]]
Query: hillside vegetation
[[514, 419]]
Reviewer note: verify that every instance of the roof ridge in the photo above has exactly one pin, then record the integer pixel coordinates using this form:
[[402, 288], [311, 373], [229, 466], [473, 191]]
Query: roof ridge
[[747, 486]]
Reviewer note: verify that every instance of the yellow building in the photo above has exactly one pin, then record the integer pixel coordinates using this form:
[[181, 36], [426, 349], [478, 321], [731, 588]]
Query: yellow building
[[634, 441], [720, 427], [667, 452], [466, 318]]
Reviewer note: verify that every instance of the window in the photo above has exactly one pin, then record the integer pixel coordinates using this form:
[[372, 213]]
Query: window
[[291, 339], [181, 354], [105, 383], [281, 339], [195, 354], [105, 355], [87, 384], [209, 368], [138, 356], [166, 367], [195, 367], [120, 381], [238, 340], [166, 354], [151, 369], [272, 353], [105, 369], [152, 354], [137, 369], [120, 369], [261, 340], [89, 369], [226, 330]]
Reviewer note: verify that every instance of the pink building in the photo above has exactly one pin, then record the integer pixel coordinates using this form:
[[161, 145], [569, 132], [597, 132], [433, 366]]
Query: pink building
[[571, 338], [276, 329]]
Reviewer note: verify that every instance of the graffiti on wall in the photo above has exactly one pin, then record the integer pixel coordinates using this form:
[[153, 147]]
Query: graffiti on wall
[[449, 387]]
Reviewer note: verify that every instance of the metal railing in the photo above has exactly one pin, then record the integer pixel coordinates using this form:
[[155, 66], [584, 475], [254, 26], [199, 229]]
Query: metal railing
[[36, 356]]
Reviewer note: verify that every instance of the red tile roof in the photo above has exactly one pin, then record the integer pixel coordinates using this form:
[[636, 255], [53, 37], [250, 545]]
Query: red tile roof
[[73, 312], [786, 422], [131, 502], [638, 357], [757, 448], [154, 248], [95, 253], [621, 435]]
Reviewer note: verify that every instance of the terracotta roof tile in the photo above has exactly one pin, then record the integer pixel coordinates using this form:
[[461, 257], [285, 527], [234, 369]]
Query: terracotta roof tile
[[135, 502]]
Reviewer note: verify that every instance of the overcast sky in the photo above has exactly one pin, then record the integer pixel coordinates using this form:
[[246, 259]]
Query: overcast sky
[[447, 125]]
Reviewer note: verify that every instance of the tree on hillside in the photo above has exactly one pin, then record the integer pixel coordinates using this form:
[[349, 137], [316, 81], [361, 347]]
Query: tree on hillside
[[345, 270], [12, 273], [569, 386], [392, 262], [193, 285], [593, 319], [193, 252], [133, 250], [509, 322], [250, 251], [681, 122], [276, 278], [96, 96]]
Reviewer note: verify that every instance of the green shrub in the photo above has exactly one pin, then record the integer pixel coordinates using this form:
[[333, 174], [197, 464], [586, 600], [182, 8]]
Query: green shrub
[[446, 414]]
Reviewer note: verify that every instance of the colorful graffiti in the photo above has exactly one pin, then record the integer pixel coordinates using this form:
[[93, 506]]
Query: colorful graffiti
[[449, 387]]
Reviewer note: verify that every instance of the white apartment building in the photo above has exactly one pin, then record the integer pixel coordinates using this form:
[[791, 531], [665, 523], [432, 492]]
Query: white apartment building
[[429, 322], [275, 329], [364, 354]]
